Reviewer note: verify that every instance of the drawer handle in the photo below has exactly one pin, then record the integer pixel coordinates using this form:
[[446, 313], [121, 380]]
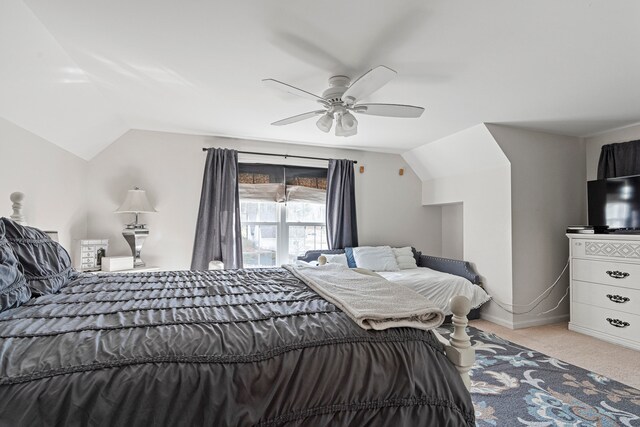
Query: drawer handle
[[618, 298], [618, 274], [617, 323]]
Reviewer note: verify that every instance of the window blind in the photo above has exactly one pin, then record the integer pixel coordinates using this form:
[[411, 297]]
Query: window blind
[[282, 183]]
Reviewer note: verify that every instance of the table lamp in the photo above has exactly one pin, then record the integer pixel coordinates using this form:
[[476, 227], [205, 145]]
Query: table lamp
[[135, 234]]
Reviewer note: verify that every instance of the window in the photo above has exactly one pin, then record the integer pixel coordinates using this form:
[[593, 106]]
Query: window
[[305, 228], [280, 222], [259, 222], [277, 233]]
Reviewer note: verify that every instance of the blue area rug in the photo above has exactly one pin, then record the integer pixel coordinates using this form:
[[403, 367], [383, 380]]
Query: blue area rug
[[512, 385]]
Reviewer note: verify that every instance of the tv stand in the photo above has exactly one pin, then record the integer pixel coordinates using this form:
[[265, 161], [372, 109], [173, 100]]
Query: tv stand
[[605, 287]]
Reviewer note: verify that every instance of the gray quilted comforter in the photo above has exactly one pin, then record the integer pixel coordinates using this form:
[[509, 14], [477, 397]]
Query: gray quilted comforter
[[217, 348]]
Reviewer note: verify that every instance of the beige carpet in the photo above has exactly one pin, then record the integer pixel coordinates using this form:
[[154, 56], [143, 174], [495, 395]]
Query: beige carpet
[[613, 361]]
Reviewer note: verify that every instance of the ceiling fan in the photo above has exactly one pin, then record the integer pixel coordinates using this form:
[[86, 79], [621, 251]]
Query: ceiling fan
[[341, 99]]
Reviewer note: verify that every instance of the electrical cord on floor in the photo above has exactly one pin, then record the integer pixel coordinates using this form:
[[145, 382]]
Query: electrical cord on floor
[[559, 302], [542, 295]]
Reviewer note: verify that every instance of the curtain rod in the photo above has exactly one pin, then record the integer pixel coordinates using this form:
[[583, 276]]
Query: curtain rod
[[281, 155]]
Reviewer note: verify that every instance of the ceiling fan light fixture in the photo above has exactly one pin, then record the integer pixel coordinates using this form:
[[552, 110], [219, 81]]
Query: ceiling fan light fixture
[[350, 132], [349, 121], [342, 130], [325, 122], [339, 128]]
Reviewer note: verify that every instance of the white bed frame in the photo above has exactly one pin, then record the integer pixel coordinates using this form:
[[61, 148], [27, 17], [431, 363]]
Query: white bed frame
[[458, 348]]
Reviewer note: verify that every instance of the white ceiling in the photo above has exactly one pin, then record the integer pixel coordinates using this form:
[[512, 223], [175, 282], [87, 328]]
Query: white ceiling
[[80, 73]]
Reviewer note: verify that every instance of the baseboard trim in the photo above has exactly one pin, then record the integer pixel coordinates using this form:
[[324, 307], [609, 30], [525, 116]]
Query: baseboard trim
[[497, 320], [520, 324], [525, 323]]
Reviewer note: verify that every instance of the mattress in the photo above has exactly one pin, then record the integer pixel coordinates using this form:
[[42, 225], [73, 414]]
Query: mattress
[[439, 287], [223, 348]]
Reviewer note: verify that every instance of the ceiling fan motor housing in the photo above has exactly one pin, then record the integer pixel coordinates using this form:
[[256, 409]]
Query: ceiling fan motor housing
[[338, 85]]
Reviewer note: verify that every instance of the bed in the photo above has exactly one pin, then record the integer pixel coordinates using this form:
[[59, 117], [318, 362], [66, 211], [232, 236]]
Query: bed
[[436, 278], [223, 348]]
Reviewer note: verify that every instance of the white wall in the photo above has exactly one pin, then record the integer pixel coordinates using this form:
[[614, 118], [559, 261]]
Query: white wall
[[470, 168], [519, 190], [594, 145], [547, 195], [51, 178], [453, 231], [487, 228], [170, 166]]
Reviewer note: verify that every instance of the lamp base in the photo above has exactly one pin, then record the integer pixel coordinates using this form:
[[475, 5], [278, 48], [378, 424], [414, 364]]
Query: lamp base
[[135, 237]]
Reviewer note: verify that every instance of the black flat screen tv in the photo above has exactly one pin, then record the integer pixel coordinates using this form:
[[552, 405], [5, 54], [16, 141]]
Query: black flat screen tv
[[615, 202]]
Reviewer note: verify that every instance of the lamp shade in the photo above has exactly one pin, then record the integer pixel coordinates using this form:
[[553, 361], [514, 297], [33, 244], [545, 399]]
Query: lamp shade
[[136, 202], [349, 122], [346, 125], [324, 123]]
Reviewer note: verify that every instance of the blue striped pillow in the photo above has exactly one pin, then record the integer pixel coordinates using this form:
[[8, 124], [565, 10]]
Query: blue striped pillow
[[351, 261]]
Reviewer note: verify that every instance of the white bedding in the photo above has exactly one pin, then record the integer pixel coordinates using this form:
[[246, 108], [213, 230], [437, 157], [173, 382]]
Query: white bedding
[[437, 286]]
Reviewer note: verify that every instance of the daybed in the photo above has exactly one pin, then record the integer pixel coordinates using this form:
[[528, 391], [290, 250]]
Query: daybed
[[459, 268]]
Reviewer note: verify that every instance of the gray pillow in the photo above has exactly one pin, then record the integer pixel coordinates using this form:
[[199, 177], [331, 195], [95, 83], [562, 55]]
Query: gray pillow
[[46, 264], [13, 286]]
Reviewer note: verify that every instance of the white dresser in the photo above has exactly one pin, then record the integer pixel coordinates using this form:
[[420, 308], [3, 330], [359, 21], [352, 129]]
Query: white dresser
[[605, 287]]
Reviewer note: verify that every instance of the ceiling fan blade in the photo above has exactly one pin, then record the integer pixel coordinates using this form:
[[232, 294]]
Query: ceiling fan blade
[[298, 118], [389, 110], [368, 83], [292, 90]]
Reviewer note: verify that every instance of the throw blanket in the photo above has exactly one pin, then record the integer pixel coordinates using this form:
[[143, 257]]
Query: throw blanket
[[372, 302]]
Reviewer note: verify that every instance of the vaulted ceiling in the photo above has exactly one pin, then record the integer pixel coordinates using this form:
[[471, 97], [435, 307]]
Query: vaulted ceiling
[[81, 73]]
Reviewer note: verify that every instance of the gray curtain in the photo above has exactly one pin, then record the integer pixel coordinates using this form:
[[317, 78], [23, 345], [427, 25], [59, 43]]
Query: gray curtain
[[218, 234], [621, 159], [342, 230]]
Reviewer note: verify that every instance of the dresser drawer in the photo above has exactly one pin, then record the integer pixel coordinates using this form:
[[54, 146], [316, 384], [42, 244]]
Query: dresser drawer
[[595, 318], [619, 250], [606, 296], [609, 273]]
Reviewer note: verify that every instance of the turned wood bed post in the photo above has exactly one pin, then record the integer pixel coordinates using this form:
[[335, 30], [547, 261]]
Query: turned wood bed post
[[458, 348], [16, 199]]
